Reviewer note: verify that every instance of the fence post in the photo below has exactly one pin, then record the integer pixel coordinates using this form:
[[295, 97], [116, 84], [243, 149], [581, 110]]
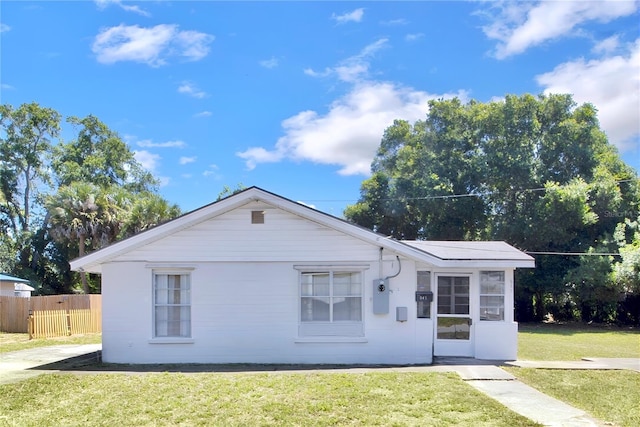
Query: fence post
[[30, 324], [65, 298]]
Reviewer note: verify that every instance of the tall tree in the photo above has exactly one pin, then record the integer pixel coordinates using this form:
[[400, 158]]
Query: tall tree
[[98, 155], [74, 217], [25, 146], [148, 210], [535, 171]]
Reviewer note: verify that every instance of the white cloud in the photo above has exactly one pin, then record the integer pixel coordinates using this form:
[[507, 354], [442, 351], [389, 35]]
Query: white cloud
[[212, 171], [147, 143], [394, 22], [4, 28], [611, 84], [520, 25], [5, 86], [203, 114], [413, 37], [269, 63], [187, 160], [102, 4], [349, 134], [190, 89], [152, 46], [607, 46], [353, 16], [148, 160], [354, 68]]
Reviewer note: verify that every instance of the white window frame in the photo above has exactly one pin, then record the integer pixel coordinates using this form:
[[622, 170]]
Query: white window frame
[[187, 331], [484, 293], [330, 328]]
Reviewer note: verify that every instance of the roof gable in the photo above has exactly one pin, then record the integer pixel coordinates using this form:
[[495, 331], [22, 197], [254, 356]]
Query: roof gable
[[92, 262]]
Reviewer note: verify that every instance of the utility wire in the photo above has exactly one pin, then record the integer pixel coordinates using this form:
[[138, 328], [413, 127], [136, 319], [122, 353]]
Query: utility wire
[[458, 196], [573, 253]]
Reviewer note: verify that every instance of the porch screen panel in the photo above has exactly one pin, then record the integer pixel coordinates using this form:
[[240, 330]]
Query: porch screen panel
[[453, 295], [492, 287]]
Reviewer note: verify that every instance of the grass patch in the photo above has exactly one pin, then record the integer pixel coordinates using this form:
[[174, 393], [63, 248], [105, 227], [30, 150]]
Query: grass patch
[[291, 399], [14, 342], [573, 342], [611, 396]]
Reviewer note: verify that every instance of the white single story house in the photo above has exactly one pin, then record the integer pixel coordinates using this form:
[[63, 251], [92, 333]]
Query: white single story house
[[14, 286], [258, 278]]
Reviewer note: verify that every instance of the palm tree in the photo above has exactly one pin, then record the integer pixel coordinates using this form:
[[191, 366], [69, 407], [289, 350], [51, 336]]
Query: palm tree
[[74, 217], [148, 210]]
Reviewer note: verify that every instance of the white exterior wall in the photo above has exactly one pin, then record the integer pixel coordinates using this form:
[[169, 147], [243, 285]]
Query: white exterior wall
[[499, 340], [245, 296]]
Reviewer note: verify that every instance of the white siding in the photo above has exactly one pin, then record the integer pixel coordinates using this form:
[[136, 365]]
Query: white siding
[[232, 237], [248, 313], [245, 297]]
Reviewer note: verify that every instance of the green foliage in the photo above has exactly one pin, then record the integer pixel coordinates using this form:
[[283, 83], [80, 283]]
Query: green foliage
[[86, 193], [535, 172], [228, 191], [99, 156]]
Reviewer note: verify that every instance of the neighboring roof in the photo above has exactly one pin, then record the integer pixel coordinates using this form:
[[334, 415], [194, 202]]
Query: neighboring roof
[[92, 262], [23, 287], [7, 278]]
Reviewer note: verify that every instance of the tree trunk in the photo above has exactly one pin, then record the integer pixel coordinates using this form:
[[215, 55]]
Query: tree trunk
[[83, 274]]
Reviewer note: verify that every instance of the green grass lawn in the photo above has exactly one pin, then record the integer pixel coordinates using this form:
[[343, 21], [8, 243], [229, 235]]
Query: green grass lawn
[[284, 399], [388, 399], [575, 341], [611, 396], [14, 342]]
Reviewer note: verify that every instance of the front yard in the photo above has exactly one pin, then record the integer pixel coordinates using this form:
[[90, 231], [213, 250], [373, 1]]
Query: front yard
[[377, 398], [14, 342], [611, 396], [283, 399]]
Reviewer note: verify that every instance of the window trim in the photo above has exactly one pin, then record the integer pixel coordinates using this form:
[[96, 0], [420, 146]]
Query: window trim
[[171, 339], [310, 331]]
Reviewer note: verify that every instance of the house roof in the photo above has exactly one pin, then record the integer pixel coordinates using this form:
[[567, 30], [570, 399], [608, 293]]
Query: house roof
[[23, 287], [7, 278], [427, 252], [451, 250]]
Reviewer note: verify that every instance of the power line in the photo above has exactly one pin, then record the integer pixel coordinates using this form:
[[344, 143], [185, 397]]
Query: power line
[[457, 196], [573, 253]]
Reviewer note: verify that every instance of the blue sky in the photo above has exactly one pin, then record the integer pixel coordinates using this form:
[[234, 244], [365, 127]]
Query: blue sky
[[294, 96]]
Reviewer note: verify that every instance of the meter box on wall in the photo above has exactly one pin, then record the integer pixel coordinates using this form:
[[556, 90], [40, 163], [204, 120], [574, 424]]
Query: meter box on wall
[[381, 296]]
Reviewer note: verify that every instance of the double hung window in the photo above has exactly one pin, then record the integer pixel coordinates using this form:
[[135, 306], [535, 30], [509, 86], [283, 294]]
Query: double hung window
[[172, 305]]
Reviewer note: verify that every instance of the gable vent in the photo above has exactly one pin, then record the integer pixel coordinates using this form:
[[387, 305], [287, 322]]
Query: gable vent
[[257, 217]]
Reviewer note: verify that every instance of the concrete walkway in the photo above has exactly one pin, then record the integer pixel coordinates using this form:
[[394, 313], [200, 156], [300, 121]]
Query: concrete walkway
[[485, 376], [19, 365]]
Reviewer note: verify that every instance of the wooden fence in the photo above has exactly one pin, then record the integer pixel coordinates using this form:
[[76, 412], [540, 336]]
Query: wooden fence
[[51, 316]]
